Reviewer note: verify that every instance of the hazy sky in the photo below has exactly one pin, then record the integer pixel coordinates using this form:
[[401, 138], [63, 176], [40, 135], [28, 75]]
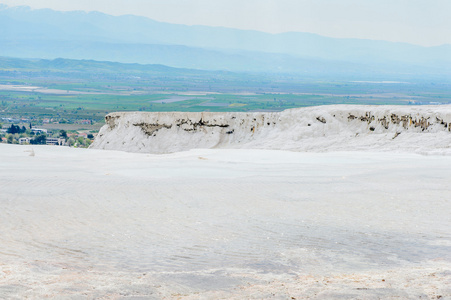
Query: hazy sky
[[423, 22]]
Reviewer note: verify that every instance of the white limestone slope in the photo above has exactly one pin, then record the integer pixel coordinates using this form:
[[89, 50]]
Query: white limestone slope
[[420, 129]]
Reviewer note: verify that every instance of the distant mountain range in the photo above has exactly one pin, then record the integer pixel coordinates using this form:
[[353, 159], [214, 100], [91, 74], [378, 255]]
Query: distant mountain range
[[63, 65], [49, 34]]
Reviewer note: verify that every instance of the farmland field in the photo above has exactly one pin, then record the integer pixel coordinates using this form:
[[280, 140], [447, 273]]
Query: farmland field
[[69, 96]]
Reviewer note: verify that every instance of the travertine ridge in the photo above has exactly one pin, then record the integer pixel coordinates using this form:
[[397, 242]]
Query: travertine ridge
[[422, 129]]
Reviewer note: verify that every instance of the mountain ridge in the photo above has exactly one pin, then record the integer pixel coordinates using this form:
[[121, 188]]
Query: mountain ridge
[[129, 38]]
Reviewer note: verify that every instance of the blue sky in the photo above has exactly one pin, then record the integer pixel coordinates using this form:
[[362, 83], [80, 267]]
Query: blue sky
[[421, 22]]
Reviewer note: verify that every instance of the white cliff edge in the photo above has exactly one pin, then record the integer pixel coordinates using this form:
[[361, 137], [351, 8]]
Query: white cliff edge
[[420, 129]]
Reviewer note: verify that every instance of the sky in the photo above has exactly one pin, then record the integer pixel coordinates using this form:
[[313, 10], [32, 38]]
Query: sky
[[420, 22]]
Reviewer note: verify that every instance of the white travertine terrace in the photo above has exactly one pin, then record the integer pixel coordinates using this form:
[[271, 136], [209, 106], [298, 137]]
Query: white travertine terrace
[[368, 223], [420, 129]]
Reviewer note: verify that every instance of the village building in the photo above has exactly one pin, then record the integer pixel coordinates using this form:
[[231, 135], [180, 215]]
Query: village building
[[24, 140], [55, 141], [85, 122], [39, 130]]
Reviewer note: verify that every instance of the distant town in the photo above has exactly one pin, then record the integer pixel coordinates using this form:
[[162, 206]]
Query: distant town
[[22, 131]]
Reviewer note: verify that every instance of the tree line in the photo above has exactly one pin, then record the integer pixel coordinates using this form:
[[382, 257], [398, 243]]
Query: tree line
[[16, 129]]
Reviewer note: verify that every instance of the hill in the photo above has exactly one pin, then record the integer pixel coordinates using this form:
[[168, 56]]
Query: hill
[[79, 35]]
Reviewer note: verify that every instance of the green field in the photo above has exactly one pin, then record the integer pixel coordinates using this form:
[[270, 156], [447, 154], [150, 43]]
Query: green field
[[84, 90]]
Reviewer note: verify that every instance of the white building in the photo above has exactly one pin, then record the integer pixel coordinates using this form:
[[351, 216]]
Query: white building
[[39, 130], [55, 141], [24, 140]]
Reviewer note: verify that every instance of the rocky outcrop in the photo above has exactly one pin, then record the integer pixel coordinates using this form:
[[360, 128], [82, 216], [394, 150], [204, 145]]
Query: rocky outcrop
[[322, 128]]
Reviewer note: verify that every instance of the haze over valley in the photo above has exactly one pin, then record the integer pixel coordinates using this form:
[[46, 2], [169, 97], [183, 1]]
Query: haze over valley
[[45, 33]]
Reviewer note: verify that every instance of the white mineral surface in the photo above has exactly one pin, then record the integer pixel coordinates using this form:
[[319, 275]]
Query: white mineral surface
[[225, 223], [418, 129]]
